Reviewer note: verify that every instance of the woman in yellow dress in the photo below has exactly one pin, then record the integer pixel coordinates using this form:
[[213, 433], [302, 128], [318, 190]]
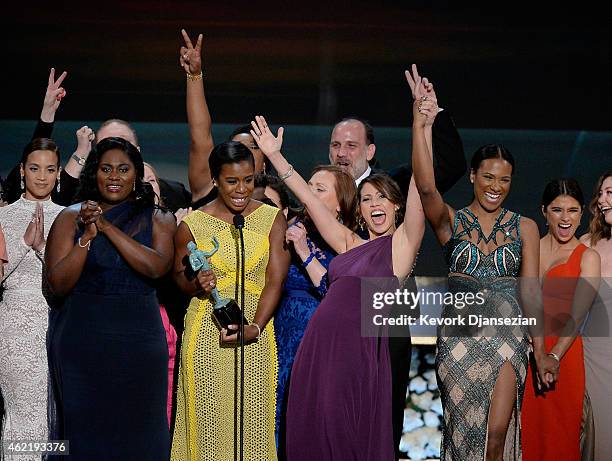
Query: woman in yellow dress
[[204, 427]]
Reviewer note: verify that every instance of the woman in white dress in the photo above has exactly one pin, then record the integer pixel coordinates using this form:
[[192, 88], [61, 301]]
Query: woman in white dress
[[24, 309], [597, 336]]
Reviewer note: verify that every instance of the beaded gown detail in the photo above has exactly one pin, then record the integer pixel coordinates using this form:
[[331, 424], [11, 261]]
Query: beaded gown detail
[[204, 427], [110, 355], [468, 361], [24, 316], [339, 405]]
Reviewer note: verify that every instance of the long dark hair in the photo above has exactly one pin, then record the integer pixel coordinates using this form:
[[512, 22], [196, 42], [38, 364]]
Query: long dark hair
[[562, 186], [385, 184], [88, 184], [598, 227], [11, 186]]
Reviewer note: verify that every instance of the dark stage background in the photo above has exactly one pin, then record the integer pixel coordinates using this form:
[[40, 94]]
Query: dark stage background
[[312, 62], [538, 81]]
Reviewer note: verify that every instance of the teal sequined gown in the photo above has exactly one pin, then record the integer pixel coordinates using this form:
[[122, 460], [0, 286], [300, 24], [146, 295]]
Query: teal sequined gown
[[469, 359]]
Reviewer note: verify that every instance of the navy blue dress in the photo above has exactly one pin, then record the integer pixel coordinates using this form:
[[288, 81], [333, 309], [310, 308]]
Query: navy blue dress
[[299, 301], [109, 355]]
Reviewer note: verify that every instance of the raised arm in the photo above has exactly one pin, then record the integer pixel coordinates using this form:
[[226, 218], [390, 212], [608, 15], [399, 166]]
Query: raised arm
[[409, 235], [198, 117], [53, 98], [76, 162], [447, 147], [335, 234], [436, 211]]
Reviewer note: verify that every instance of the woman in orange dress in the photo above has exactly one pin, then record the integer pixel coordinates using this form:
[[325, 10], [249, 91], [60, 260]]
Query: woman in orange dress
[[570, 273]]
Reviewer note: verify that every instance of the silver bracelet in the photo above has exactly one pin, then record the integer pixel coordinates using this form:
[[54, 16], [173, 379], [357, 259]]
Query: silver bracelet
[[554, 356], [258, 330], [87, 245], [287, 174]]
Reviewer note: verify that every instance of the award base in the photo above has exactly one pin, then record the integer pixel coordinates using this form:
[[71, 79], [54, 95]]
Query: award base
[[228, 314]]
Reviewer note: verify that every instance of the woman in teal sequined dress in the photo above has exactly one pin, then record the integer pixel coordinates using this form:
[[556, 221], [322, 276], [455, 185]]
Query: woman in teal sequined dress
[[481, 371]]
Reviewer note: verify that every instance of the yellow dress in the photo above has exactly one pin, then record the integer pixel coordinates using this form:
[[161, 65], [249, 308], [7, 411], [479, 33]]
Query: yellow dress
[[204, 428]]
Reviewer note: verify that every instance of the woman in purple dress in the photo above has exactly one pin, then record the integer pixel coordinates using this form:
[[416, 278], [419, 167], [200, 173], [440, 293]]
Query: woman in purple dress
[[339, 405]]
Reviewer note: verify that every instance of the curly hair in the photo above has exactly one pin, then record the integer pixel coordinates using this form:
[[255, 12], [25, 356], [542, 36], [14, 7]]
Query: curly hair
[[598, 227], [88, 185]]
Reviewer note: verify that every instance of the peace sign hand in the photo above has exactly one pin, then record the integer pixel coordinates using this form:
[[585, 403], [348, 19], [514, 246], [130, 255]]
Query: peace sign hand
[[53, 96], [190, 57], [419, 86]]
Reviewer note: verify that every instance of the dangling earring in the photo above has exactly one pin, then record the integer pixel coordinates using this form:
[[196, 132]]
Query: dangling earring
[[361, 223], [22, 184], [134, 189], [58, 187]]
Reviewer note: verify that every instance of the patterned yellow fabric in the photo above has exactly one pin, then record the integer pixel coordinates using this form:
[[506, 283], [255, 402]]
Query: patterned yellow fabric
[[204, 428]]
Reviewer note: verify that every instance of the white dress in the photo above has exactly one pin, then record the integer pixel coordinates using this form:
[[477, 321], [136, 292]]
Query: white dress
[[597, 344], [24, 316]]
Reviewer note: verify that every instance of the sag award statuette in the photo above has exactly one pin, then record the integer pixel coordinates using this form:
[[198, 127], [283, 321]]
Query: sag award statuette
[[225, 311]]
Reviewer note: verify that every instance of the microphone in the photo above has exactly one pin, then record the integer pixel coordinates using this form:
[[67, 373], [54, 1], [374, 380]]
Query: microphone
[[238, 221], [239, 224]]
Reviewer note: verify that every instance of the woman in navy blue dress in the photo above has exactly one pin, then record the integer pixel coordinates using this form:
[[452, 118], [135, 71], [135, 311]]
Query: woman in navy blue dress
[[108, 348]]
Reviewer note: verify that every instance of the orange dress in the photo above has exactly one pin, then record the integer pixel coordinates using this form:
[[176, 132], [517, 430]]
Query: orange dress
[[551, 421]]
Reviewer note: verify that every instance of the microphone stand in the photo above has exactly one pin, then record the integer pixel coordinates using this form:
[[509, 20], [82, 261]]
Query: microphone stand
[[239, 224]]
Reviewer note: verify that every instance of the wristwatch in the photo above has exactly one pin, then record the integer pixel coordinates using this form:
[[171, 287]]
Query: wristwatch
[[79, 160]]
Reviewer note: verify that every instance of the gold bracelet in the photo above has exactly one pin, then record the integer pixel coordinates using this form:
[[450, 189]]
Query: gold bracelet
[[194, 77], [287, 174]]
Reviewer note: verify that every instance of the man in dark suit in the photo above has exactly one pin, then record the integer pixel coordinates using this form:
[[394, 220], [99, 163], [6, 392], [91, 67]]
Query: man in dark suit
[[352, 148]]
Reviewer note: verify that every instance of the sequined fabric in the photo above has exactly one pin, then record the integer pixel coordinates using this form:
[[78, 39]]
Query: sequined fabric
[[469, 358]]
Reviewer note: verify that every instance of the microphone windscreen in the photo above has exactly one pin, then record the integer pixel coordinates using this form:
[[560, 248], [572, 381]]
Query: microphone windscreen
[[238, 221]]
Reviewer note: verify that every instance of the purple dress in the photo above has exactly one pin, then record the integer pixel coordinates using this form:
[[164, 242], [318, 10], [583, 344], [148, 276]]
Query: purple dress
[[339, 404]]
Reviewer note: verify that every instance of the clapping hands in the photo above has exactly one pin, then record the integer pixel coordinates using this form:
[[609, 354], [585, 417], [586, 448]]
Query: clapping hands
[[89, 215], [34, 235]]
